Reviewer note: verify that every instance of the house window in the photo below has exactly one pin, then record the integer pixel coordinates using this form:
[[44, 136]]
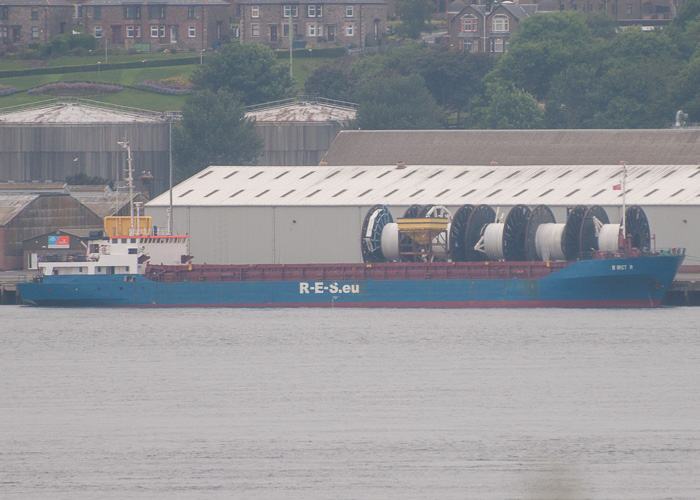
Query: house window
[[79, 12], [191, 31], [255, 11], [35, 32], [314, 30], [157, 31], [255, 29], [132, 12], [285, 29], [500, 23], [469, 23], [4, 14], [497, 45], [349, 30], [294, 9], [97, 31], [35, 13], [629, 9], [348, 11], [133, 31], [97, 13], [156, 11], [190, 13], [4, 33], [314, 11]]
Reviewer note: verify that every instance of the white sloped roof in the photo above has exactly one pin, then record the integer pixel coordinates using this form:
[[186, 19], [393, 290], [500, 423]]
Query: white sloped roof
[[445, 185]]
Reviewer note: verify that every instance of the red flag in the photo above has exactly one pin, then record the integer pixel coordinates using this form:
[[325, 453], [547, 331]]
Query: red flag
[[617, 187]]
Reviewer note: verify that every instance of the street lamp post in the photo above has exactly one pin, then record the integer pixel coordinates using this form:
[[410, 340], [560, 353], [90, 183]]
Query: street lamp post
[[170, 153], [98, 81]]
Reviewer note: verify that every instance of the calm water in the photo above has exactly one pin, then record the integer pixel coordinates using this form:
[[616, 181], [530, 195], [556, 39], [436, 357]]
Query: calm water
[[337, 404]]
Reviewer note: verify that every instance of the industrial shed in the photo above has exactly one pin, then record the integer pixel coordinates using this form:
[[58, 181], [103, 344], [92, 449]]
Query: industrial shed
[[515, 147], [24, 216], [314, 214]]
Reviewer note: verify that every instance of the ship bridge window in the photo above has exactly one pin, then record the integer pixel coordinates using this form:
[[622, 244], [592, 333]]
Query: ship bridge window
[[651, 192], [590, 173], [461, 174], [133, 251], [307, 174], [237, 193], [205, 174], [339, 192], [282, 174], [382, 175], [208, 195], [231, 174], [185, 193], [133, 240], [436, 173], [468, 192]]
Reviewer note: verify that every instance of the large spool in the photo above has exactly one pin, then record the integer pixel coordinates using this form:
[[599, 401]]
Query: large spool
[[540, 215], [593, 220], [458, 230], [637, 231], [480, 217], [571, 241], [514, 232], [371, 239], [548, 242]]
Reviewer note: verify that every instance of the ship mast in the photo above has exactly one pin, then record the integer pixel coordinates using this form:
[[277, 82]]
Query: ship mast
[[130, 179], [624, 204]]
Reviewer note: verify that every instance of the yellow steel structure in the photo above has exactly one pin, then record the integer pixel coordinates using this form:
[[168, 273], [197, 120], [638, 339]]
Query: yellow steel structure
[[121, 226], [423, 230]]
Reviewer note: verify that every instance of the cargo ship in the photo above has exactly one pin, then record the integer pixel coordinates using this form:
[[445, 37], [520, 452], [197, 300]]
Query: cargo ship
[[430, 257]]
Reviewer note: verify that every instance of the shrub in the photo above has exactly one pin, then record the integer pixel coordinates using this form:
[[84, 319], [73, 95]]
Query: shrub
[[6, 90], [74, 88]]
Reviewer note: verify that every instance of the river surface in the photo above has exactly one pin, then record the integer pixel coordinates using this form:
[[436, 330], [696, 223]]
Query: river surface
[[349, 404]]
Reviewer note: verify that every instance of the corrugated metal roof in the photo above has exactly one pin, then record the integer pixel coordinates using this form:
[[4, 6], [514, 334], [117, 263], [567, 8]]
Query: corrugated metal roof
[[515, 147], [12, 204], [444, 185]]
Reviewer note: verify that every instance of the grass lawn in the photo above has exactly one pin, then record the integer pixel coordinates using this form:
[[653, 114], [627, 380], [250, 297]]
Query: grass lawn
[[128, 77]]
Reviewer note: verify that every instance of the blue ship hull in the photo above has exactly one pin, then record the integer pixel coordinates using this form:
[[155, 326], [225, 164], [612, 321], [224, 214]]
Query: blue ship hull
[[618, 282]]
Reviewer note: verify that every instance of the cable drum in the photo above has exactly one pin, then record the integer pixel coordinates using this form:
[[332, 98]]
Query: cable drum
[[609, 238], [493, 241], [548, 241], [390, 242]]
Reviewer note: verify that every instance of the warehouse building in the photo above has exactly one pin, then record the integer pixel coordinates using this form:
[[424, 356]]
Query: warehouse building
[[314, 214]]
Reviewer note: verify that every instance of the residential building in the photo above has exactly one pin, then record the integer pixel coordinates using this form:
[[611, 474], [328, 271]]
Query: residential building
[[23, 22], [313, 23]]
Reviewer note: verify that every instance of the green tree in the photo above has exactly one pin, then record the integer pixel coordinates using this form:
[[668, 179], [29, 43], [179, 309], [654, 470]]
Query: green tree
[[331, 82], [250, 71], [213, 131], [396, 102], [414, 16], [509, 108]]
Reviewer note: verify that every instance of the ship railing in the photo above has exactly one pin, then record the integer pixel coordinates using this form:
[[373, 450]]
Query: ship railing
[[629, 253]]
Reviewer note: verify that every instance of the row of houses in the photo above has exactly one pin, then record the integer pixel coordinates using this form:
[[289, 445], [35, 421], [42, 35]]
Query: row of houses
[[182, 25]]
